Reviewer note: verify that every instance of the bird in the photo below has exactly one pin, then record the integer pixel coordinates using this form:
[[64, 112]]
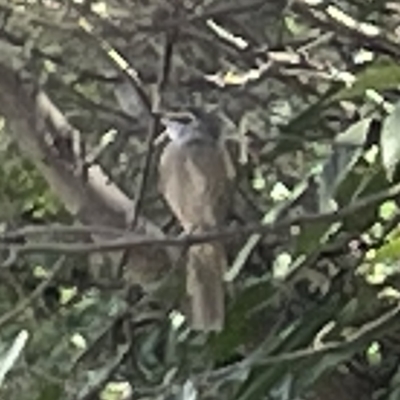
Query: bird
[[195, 179]]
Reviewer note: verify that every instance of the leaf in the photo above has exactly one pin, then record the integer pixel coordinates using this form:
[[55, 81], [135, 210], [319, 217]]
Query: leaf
[[378, 77], [188, 391], [8, 360], [50, 392], [388, 252], [310, 371], [347, 150], [390, 141], [265, 379], [240, 319], [370, 181], [308, 118], [97, 378], [312, 236]]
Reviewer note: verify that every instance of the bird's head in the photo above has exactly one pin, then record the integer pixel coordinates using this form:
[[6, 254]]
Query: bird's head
[[188, 125]]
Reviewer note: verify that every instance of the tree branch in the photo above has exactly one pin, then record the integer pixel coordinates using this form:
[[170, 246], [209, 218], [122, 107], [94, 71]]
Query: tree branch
[[33, 120], [137, 241]]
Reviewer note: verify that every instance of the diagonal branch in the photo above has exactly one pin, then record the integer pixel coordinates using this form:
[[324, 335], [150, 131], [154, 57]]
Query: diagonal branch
[[35, 122], [140, 241]]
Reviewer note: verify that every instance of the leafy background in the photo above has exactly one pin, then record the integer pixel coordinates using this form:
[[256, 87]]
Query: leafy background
[[306, 95]]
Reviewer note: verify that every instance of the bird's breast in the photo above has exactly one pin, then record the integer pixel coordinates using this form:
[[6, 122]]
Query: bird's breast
[[195, 183]]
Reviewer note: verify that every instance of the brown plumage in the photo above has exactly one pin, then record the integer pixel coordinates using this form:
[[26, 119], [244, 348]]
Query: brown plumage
[[195, 181]]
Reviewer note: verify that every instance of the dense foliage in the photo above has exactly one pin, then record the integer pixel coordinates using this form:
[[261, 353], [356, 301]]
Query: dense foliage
[[306, 96]]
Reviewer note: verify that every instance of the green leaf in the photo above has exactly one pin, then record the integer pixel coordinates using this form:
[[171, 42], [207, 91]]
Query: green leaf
[[390, 141], [347, 150], [388, 252], [241, 319], [310, 371], [381, 76], [264, 379]]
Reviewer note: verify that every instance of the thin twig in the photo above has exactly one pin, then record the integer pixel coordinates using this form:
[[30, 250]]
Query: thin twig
[[135, 240], [351, 342], [154, 126], [57, 229], [98, 340], [35, 294], [118, 61], [153, 131], [103, 376], [209, 13], [374, 38]]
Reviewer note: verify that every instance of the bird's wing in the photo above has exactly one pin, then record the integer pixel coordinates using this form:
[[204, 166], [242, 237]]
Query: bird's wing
[[194, 182]]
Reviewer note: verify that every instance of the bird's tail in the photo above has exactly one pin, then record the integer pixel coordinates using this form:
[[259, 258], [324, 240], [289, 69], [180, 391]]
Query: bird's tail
[[205, 287]]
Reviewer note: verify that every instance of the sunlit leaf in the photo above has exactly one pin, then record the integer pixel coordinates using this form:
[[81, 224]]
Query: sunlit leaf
[[8, 359]]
